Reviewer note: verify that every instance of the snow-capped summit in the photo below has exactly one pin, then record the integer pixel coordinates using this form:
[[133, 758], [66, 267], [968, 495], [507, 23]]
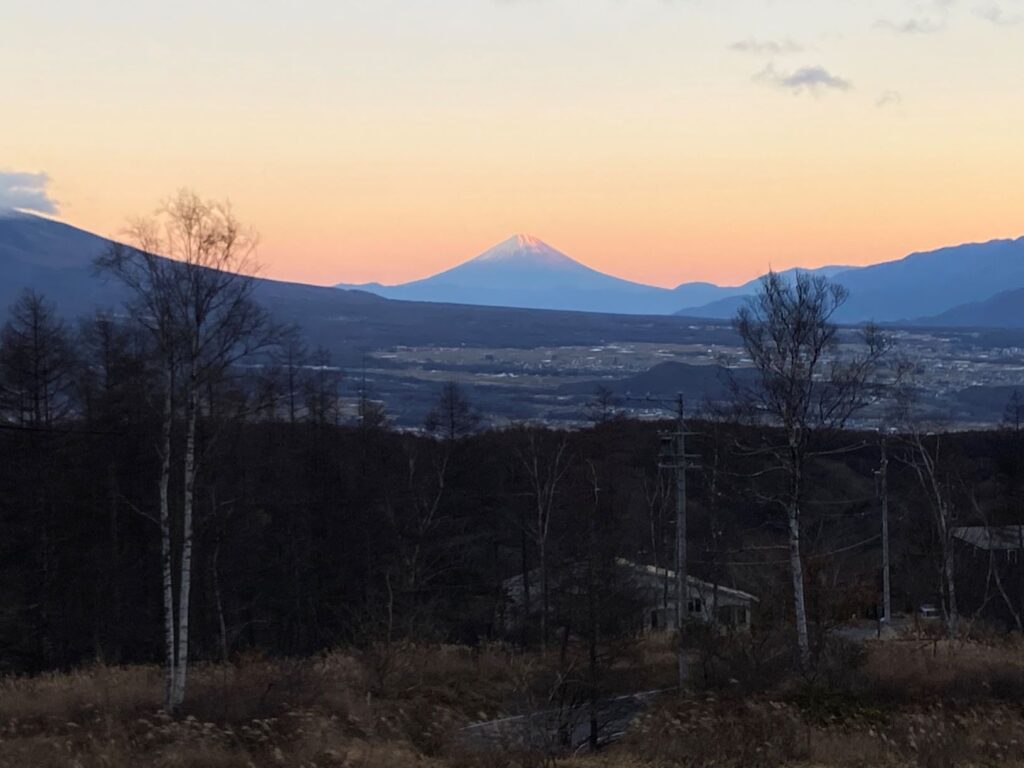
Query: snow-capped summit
[[524, 249]]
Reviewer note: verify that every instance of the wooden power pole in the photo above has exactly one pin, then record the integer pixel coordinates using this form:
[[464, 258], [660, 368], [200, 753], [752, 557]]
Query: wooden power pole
[[673, 456], [883, 494]]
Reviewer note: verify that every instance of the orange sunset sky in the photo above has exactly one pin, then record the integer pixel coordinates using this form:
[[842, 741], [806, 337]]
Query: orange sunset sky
[[657, 140]]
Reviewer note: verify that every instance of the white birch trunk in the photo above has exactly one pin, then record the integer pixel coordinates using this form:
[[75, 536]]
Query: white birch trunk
[[185, 586], [796, 567], [165, 543]]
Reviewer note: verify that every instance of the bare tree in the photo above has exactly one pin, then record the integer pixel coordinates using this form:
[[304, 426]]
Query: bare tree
[[803, 386], [925, 457], [926, 453], [370, 414], [603, 405], [545, 467], [420, 520], [188, 271], [321, 388], [294, 357], [35, 363], [453, 416], [115, 369], [993, 566]]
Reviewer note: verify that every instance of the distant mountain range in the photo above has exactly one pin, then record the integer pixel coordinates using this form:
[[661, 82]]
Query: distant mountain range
[[1004, 310], [964, 285], [56, 260], [923, 288], [969, 285], [526, 272]]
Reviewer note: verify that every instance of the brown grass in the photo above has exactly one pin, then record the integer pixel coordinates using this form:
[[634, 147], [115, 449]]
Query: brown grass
[[912, 671], [332, 710], [914, 704], [928, 704]]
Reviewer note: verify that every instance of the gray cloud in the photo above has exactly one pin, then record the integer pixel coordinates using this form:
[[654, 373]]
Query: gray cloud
[[889, 99], [998, 14], [766, 47], [26, 190], [929, 17], [920, 26], [813, 80]]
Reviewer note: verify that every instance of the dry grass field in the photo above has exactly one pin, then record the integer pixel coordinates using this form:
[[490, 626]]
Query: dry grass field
[[909, 703]]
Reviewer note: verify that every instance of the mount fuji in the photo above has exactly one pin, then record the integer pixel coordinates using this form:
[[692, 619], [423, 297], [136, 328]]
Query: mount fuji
[[526, 272], [922, 288]]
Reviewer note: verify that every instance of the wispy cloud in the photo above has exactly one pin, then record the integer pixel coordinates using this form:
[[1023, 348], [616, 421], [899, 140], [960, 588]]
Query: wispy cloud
[[998, 14], [889, 99], [813, 80], [766, 47], [928, 17], [917, 26], [27, 191]]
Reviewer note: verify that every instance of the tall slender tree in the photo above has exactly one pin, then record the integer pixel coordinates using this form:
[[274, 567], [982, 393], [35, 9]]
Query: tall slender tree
[[36, 363], [546, 462], [453, 416], [803, 386], [189, 273]]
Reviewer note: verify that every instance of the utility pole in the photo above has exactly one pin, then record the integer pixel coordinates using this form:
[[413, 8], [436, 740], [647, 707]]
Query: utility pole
[[673, 456], [883, 491]]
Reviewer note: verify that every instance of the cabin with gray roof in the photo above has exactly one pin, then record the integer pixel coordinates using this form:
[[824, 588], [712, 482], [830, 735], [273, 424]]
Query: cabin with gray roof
[[652, 592]]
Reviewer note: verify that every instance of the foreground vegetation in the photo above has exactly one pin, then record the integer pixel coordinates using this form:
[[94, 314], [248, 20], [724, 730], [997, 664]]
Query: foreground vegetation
[[913, 703]]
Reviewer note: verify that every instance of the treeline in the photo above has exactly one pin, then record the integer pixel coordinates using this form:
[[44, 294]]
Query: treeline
[[312, 533], [308, 532]]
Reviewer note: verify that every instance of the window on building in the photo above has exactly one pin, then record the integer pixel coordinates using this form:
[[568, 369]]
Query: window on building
[[695, 605]]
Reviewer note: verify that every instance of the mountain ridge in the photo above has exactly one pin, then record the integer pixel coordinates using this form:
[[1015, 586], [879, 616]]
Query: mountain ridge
[[916, 288], [1003, 310], [524, 271], [958, 286]]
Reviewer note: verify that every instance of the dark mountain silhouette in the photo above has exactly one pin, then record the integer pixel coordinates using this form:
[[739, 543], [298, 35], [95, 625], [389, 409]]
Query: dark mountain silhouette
[[1004, 310], [666, 380], [953, 286], [56, 260], [923, 285], [53, 258]]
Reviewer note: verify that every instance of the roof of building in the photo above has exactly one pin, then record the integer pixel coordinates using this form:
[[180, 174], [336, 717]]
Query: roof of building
[[997, 537], [667, 573], [693, 581]]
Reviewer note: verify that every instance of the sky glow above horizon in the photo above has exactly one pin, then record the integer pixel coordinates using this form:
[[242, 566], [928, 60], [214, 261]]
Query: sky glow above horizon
[[658, 140]]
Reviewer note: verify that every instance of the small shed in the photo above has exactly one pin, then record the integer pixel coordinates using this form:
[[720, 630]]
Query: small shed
[[653, 592], [990, 572], [706, 602], [1008, 539]]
